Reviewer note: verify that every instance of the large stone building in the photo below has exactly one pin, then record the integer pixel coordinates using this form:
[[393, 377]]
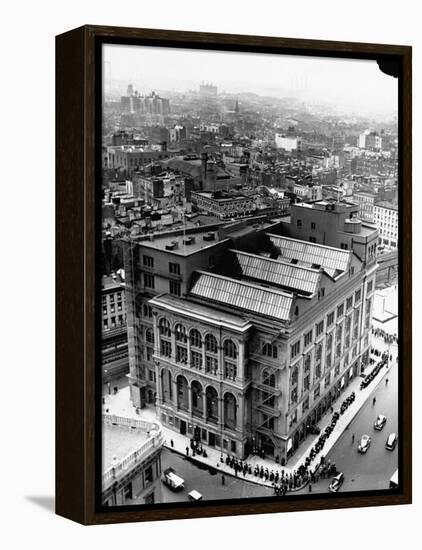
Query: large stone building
[[248, 334]]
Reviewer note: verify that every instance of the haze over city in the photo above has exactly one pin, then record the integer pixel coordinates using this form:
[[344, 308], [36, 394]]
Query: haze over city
[[355, 87]]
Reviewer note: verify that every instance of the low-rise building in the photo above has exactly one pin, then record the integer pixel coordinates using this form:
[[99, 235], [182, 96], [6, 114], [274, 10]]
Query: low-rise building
[[131, 461]]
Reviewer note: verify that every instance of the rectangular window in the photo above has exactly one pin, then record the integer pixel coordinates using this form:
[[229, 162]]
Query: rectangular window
[[299, 223], [327, 380], [147, 311], [295, 349], [150, 353], [305, 405], [165, 348], [181, 354], [293, 395], [358, 294], [196, 360], [174, 288], [330, 319], [174, 268], [369, 287], [308, 338], [148, 261], [313, 225], [316, 392], [306, 383], [211, 365], [312, 239], [349, 303], [337, 370], [340, 311], [320, 328], [149, 280], [230, 370]]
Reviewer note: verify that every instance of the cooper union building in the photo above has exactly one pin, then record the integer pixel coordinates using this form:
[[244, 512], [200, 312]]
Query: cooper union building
[[242, 334]]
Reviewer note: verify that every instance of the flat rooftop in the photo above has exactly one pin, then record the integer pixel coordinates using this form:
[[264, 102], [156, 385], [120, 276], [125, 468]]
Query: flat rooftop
[[181, 243], [119, 442]]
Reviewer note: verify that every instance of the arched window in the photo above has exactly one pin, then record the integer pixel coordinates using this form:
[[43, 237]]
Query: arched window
[[211, 398], [182, 392], [197, 401], [149, 336], [270, 350], [211, 343], [180, 333], [195, 338], [164, 327], [230, 411], [230, 349]]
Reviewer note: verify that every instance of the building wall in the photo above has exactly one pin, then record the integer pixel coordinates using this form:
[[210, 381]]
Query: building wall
[[386, 219], [141, 485]]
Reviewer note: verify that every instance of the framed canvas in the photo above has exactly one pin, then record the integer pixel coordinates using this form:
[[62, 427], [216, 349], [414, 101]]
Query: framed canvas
[[233, 275]]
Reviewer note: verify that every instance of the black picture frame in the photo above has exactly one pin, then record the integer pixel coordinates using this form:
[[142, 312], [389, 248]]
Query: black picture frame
[[78, 133]]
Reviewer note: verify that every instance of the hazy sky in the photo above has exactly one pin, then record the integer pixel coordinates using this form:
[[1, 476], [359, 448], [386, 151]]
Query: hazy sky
[[357, 85]]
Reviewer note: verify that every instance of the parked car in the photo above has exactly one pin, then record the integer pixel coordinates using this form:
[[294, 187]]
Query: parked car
[[336, 483], [195, 495], [172, 480], [391, 443], [363, 446], [380, 422]]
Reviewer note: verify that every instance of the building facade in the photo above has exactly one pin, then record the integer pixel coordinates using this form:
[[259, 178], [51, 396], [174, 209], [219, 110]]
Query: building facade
[[114, 342], [250, 349], [386, 218]]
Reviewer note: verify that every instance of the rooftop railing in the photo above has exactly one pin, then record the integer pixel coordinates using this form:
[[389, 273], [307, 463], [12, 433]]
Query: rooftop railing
[[154, 441]]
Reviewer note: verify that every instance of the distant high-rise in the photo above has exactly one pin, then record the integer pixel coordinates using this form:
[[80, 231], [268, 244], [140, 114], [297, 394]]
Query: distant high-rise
[[152, 104], [208, 90]]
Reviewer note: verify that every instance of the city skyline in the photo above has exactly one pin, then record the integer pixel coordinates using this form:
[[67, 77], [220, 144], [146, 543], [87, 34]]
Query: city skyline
[[347, 85]]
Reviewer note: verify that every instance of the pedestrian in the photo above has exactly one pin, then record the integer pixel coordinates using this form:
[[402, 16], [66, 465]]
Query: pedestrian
[[187, 451], [310, 488], [386, 381], [171, 443], [353, 438], [223, 480], [374, 401]]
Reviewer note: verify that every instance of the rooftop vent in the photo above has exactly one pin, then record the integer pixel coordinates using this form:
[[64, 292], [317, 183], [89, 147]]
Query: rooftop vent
[[209, 236], [189, 240], [172, 246]]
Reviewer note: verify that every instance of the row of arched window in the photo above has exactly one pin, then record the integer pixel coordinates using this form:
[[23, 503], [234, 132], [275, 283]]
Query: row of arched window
[[202, 402], [196, 340]]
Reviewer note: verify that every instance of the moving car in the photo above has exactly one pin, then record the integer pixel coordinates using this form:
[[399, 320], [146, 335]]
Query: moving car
[[172, 480], [380, 422], [336, 483], [195, 495], [391, 443], [365, 441]]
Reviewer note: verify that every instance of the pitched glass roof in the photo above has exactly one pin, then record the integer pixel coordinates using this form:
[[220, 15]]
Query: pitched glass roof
[[332, 260], [296, 277], [242, 295]]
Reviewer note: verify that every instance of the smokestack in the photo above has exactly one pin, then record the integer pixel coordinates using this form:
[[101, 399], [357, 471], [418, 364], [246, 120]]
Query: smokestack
[[204, 161]]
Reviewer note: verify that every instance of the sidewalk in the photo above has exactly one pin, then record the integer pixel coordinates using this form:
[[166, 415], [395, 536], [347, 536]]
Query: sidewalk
[[120, 404]]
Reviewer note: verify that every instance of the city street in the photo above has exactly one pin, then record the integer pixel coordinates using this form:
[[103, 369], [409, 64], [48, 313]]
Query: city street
[[374, 469], [206, 480]]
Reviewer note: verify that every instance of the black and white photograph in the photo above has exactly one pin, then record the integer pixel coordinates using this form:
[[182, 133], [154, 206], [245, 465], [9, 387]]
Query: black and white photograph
[[249, 276]]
